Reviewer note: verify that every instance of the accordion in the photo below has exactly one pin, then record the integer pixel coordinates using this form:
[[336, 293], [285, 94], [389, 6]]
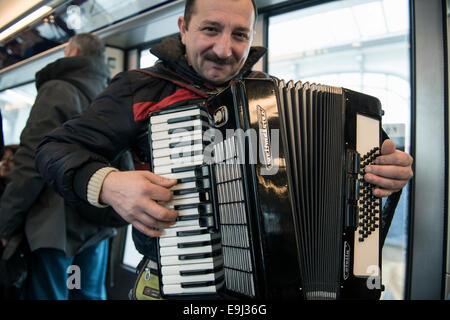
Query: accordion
[[271, 197]]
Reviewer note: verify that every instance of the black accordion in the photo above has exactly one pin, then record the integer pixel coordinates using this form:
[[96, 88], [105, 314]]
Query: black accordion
[[271, 197]]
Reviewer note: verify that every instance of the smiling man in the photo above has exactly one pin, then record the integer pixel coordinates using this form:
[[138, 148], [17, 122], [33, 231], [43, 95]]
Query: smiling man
[[213, 48]]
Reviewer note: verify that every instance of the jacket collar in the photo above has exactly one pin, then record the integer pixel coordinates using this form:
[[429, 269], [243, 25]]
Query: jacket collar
[[172, 53]]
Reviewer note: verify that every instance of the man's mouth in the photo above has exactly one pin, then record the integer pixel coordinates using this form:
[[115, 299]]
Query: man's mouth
[[218, 61]]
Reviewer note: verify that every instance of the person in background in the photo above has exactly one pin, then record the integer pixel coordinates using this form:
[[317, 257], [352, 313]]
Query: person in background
[[57, 233], [2, 141], [213, 48], [6, 165]]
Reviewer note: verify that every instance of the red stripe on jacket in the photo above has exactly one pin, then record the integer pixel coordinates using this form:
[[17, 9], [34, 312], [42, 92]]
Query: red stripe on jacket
[[142, 109]]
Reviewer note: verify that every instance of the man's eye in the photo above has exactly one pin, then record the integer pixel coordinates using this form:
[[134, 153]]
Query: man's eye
[[209, 30], [241, 36]]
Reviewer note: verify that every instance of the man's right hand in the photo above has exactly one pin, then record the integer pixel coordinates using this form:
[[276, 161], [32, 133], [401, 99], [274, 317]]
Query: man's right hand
[[4, 242], [133, 195]]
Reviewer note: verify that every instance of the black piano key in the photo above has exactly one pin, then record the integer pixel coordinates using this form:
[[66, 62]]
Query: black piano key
[[183, 169], [184, 143], [200, 271], [203, 208], [200, 184], [199, 171], [184, 191], [186, 154], [198, 243], [187, 118], [189, 233], [186, 180], [195, 256], [188, 218], [184, 129]]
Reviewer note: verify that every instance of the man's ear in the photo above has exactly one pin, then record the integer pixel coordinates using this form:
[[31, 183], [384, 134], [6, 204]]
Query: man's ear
[[75, 51], [182, 28], [72, 51]]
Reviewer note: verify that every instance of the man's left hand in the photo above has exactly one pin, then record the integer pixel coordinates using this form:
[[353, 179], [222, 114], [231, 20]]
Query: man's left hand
[[391, 170]]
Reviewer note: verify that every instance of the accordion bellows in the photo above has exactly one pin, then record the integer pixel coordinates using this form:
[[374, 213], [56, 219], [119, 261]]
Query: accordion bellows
[[271, 198]]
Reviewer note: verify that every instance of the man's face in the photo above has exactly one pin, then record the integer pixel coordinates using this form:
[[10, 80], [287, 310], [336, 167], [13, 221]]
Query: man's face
[[6, 163], [218, 38]]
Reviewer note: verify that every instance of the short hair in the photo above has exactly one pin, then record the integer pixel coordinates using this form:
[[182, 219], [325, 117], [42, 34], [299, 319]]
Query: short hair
[[189, 11], [89, 44]]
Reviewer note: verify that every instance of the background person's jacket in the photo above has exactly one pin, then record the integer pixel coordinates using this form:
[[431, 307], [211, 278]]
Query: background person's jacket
[[65, 88]]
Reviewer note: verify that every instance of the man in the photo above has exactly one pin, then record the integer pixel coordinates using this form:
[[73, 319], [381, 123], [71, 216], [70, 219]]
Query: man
[[6, 165], [214, 47], [57, 233]]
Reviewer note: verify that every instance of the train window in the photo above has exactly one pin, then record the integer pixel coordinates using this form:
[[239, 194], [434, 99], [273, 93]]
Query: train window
[[15, 106], [147, 59], [131, 256], [364, 46]]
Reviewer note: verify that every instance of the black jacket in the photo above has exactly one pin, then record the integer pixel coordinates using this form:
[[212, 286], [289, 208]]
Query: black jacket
[[65, 88]]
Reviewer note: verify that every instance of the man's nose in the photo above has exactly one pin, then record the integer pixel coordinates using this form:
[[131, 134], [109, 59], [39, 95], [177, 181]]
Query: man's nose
[[223, 46]]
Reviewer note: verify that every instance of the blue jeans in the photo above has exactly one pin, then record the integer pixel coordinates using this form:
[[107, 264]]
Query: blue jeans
[[55, 277]]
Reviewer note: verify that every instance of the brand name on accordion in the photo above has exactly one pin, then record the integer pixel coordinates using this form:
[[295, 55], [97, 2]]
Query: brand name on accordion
[[264, 136]]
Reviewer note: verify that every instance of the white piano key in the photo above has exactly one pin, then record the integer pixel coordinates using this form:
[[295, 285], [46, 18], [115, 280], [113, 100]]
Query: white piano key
[[179, 175], [164, 127], [178, 279], [185, 150], [165, 143], [186, 185], [188, 212], [176, 270], [164, 135], [186, 196], [186, 223], [172, 232], [168, 169], [192, 200], [185, 161], [173, 241], [175, 251], [175, 261], [177, 289]]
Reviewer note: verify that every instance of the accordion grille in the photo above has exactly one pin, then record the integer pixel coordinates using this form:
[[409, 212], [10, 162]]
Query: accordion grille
[[234, 231]]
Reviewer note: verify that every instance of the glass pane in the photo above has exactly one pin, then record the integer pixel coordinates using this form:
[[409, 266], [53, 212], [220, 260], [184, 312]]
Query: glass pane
[[68, 19], [147, 59], [363, 46], [131, 257], [15, 105]]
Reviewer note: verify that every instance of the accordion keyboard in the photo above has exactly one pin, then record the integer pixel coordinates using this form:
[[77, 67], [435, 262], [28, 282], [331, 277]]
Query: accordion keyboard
[[189, 251]]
